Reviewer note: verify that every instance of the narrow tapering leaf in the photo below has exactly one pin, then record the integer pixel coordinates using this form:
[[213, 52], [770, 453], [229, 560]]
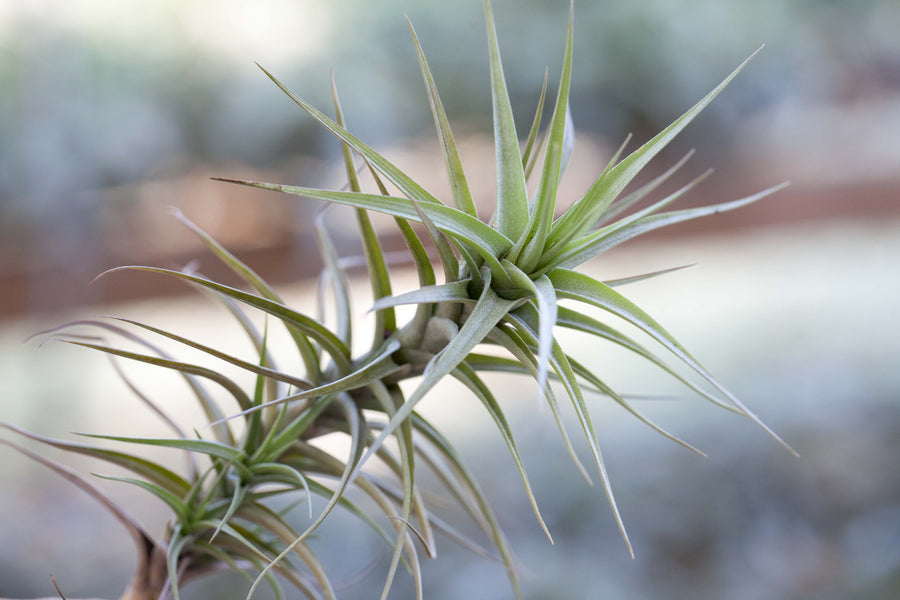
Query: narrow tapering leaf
[[445, 250], [560, 235], [545, 301], [237, 498], [488, 241], [163, 415], [246, 365], [455, 291], [141, 538], [177, 542], [174, 502], [582, 216], [380, 366], [577, 286], [529, 248], [507, 337], [204, 399], [355, 424], [616, 233], [595, 239], [332, 344], [574, 319], [486, 313], [458, 184], [529, 155], [643, 276], [461, 478], [424, 270], [512, 197], [256, 282], [149, 470], [287, 475], [406, 184], [406, 469], [340, 284], [208, 447], [563, 369], [385, 320], [234, 389], [599, 385], [467, 376], [614, 209]]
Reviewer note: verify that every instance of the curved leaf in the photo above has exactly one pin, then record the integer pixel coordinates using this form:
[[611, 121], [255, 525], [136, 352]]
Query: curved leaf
[[488, 241], [563, 369], [256, 282], [151, 471], [234, 389], [467, 376], [247, 366], [487, 312], [577, 286], [458, 183], [330, 342]]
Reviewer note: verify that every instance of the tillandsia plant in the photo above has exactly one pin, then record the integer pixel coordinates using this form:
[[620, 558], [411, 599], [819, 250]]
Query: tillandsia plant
[[503, 280]]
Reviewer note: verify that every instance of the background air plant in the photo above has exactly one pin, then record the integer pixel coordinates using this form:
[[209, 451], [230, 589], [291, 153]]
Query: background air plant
[[495, 309]]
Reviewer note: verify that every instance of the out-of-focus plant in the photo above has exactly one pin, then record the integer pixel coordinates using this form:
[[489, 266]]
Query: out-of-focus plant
[[495, 310]]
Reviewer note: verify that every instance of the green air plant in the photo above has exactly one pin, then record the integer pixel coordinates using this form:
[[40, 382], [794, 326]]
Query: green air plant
[[503, 279]]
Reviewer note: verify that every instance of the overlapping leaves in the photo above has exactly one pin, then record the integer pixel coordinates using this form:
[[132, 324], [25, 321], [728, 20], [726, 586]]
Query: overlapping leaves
[[503, 280]]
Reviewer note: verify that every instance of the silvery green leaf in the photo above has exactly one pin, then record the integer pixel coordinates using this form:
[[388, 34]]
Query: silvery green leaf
[[340, 285], [643, 276], [406, 184], [563, 369], [330, 342], [470, 379], [379, 366], [385, 320], [581, 322], [356, 425], [623, 204], [250, 276], [597, 383], [486, 313], [458, 478], [580, 253], [480, 237], [458, 183], [545, 300], [584, 213], [507, 337], [577, 286], [529, 247], [511, 213], [598, 241], [247, 366], [529, 159], [151, 471], [455, 291], [234, 389], [141, 538]]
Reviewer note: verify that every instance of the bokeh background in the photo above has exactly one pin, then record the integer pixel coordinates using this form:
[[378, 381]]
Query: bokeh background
[[111, 111]]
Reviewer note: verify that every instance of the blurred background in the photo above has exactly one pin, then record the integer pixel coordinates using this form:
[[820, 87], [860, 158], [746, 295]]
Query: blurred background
[[110, 112]]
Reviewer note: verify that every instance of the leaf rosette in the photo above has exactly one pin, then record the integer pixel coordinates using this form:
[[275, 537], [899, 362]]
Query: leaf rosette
[[503, 280]]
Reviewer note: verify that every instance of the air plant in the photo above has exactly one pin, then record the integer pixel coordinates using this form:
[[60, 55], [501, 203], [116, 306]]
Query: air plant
[[495, 309]]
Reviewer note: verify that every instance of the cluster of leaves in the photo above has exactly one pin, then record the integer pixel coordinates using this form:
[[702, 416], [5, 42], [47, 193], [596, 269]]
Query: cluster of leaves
[[503, 279]]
